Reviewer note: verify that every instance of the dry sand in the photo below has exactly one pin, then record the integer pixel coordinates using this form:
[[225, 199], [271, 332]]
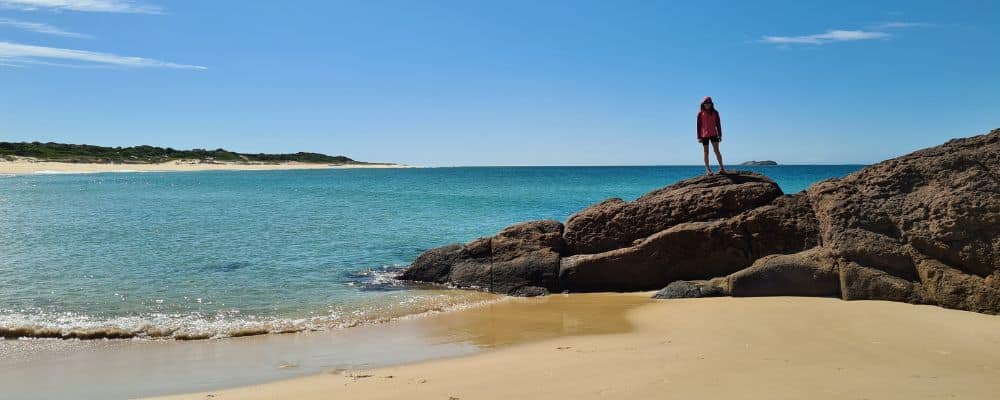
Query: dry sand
[[30, 166], [633, 348]]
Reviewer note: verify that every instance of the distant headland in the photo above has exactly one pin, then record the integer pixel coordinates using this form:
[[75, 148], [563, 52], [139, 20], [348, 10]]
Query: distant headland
[[37, 157], [759, 163], [84, 153]]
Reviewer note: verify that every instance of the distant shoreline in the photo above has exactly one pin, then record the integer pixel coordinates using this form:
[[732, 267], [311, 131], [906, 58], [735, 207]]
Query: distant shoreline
[[27, 165]]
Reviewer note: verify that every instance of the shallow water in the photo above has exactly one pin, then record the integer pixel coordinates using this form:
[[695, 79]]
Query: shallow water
[[213, 254]]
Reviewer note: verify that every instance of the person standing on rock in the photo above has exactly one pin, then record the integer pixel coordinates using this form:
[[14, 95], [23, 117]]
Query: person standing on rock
[[710, 130]]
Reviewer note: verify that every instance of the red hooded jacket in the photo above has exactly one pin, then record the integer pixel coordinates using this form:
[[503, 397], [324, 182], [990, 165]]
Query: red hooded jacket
[[709, 123]]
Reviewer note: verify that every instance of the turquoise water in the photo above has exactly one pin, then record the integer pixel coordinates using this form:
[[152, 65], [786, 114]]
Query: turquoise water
[[211, 254]]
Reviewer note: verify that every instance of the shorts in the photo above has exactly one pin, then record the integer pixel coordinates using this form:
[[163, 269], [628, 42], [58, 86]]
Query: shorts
[[715, 139]]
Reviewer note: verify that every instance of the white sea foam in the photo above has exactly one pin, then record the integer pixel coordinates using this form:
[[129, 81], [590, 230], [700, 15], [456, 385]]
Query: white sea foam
[[51, 172], [158, 326]]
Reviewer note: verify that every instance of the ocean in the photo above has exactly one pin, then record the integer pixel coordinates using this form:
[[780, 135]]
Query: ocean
[[199, 255]]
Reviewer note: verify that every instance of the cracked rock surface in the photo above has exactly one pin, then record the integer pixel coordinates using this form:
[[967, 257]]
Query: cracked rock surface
[[921, 228]]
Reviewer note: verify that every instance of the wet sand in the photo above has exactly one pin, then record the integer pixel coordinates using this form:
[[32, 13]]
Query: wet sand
[[27, 166], [625, 346]]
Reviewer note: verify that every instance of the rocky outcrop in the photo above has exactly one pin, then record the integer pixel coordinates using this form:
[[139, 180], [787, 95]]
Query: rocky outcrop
[[922, 228], [697, 250], [700, 227], [614, 223], [520, 260]]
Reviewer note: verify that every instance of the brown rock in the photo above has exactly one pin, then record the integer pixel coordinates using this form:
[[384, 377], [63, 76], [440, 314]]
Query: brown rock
[[694, 289], [525, 238], [697, 250], [809, 273], [692, 250], [862, 283], [614, 224], [521, 260], [952, 288], [944, 201], [785, 226], [435, 265], [922, 228]]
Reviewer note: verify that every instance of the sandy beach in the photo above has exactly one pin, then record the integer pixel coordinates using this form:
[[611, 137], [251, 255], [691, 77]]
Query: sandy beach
[[30, 166], [428, 200], [755, 348]]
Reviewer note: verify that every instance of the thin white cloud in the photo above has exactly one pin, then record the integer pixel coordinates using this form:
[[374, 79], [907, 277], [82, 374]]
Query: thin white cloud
[[21, 54], [38, 27], [901, 25], [831, 36], [110, 6]]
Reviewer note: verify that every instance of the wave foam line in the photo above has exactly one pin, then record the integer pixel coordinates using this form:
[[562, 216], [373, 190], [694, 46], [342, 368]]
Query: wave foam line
[[29, 327]]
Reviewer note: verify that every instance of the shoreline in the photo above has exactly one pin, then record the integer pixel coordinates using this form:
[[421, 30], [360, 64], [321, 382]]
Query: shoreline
[[187, 366], [24, 166], [423, 303], [768, 347], [590, 345]]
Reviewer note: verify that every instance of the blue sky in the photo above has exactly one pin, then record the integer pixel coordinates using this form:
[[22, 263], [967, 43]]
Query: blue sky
[[502, 82]]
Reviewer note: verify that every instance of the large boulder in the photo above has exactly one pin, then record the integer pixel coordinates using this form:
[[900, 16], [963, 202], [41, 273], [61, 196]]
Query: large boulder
[[692, 250], [904, 226], [787, 225], [614, 223], [808, 273], [922, 228], [952, 288], [943, 201], [693, 289], [520, 260], [697, 250]]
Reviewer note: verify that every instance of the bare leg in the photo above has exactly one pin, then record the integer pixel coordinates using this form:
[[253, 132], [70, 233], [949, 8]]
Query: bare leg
[[718, 156], [707, 169]]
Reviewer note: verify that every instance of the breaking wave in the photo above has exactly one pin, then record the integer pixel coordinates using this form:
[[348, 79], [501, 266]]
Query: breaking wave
[[399, 301]]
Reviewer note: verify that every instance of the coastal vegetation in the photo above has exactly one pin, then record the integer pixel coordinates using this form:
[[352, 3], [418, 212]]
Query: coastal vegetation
[[83, 153]]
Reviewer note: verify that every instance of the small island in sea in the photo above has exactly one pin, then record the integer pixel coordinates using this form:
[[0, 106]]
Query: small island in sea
[[34, 157], [759, 163]]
